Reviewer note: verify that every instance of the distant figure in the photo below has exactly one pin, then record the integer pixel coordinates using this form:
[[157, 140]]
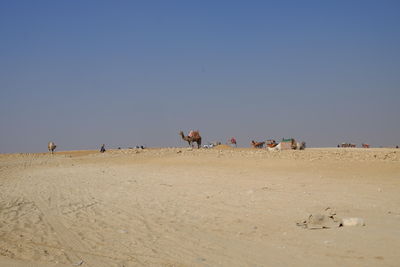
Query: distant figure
[[51, 146], [233, 141], [103, 148], [397, 146]]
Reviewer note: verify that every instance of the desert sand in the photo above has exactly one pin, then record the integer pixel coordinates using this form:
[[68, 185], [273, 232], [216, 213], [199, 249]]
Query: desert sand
[[208, 207]]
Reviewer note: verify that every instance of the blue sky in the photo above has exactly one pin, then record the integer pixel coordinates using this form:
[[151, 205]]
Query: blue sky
[[126, 73]]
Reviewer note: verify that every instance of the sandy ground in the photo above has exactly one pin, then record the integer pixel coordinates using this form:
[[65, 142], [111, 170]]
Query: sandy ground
[[183, 207]]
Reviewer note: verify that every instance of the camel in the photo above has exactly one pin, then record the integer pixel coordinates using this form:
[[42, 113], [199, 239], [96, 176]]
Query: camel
[[51, 146], [193, 137], [300, 146], [278, 147], [271, 143], [294, 145], [257, 144]]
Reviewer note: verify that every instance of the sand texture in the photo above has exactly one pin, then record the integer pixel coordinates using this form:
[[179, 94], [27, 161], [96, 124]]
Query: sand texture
[[188, 207]]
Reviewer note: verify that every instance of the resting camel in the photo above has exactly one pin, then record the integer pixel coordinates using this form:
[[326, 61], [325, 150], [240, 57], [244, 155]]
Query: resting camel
[[271, 143], [193, 137], [294, 145], [300, 146], [51, 146], [257, 144]]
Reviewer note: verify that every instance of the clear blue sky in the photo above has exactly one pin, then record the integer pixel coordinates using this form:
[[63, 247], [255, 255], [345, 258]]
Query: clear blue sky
[[83, 73]]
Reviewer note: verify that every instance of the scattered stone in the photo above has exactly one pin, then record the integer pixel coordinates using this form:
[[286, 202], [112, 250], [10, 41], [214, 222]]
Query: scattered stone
[[353, 222], [78, 263], [321, 221]]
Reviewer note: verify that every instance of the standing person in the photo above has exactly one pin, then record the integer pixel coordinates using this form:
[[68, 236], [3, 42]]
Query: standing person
[[233, 141], [103, 148]]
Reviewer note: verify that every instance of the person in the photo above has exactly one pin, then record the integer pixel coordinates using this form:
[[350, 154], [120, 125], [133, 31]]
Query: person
[[103, 149], [233, 141]]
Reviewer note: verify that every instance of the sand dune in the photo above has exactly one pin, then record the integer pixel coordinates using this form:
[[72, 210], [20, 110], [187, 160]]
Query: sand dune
[[184, 207]]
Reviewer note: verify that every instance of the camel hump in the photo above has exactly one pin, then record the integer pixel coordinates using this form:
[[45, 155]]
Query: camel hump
[[194, 134]]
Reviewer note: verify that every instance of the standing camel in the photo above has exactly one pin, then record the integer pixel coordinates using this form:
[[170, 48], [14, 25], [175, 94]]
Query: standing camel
[[194, 136], [51, 146]]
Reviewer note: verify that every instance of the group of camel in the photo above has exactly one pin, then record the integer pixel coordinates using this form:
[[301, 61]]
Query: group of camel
[[273, 145], [353, 145], [194, 137]]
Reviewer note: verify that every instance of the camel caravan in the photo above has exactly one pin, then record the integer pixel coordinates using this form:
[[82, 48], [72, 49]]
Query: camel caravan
[[270, 145], [195, 137]]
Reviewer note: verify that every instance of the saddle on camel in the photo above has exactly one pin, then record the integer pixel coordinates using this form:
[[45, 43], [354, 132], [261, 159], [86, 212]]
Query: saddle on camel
[[194, 134]]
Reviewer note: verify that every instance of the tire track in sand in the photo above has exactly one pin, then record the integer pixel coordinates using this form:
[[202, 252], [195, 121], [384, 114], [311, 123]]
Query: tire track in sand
[[76, 250]]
